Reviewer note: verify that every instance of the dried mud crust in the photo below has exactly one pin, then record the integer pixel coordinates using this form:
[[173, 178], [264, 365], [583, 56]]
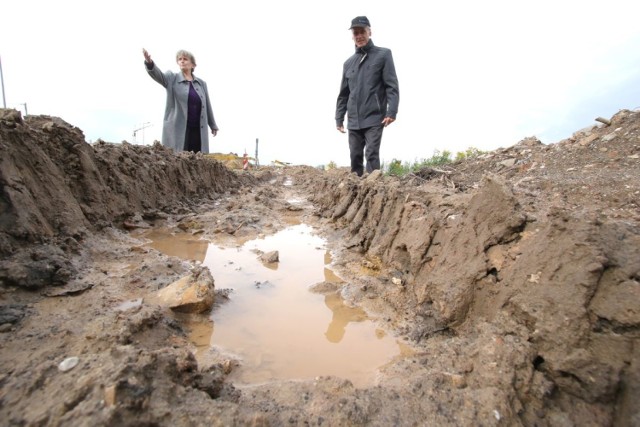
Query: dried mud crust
[[514, 276]]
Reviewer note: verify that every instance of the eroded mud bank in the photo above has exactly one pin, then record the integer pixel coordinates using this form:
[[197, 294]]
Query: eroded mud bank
[[57, 189], [560, 279]]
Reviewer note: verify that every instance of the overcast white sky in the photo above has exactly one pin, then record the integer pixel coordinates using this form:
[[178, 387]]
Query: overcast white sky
[[472, 74]]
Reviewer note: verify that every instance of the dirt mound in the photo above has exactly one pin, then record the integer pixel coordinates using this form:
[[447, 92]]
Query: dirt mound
[[547, 237], [514, 277], [56, 188]]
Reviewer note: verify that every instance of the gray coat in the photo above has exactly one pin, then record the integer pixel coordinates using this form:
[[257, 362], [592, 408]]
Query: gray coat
[[174, 126], [369, 89]]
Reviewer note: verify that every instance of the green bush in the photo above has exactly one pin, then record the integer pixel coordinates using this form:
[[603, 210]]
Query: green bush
[[470, 153], [399, 168]]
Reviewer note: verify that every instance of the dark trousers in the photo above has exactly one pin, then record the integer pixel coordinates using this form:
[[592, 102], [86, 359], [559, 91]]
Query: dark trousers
[[192, 140], [365, 143]]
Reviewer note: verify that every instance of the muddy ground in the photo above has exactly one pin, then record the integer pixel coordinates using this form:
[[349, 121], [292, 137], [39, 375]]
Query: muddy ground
[[515, 277]]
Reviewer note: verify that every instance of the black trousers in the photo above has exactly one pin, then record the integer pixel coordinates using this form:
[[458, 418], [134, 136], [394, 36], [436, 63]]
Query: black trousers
[[192, 140], [365, 144]]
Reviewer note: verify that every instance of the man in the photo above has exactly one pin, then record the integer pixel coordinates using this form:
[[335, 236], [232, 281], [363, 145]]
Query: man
[[369, 95]]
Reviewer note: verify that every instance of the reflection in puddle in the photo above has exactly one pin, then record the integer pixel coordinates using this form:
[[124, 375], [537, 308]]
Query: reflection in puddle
[[277, 327], [295, 201], [183, 246], [201, 335], [342, 316]]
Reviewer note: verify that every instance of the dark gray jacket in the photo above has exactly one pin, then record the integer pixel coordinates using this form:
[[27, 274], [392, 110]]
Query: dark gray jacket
[[369, 89]]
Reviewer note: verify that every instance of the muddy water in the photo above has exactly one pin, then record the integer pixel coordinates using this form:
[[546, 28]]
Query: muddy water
[[273, 323]]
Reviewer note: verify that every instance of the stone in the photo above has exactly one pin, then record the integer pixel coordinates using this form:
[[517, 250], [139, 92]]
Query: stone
[[194, 293], [68, 364], [270, 257]]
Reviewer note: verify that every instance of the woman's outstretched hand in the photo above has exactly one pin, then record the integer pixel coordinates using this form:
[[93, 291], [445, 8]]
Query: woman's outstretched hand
[[147, 57]]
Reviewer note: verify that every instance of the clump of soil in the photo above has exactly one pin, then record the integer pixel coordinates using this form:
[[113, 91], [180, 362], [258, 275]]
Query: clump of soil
[[514, 276]]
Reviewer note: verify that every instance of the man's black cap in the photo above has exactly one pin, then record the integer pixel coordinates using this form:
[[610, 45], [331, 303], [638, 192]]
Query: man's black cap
[[359, 21]]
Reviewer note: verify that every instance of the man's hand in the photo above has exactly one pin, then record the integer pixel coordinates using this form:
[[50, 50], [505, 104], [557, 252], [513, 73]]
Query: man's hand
[[341, 129], [387, 121], [214, 132]]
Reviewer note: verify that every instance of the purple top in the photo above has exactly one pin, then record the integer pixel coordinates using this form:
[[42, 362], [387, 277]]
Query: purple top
[[194, 106]]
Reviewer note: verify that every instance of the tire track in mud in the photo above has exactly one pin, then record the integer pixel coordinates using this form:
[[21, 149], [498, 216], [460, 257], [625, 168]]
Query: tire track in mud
[[473, 257]]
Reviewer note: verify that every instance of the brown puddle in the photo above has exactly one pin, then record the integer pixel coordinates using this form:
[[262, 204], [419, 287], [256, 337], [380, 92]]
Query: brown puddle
[[185, 246], [273, 323]]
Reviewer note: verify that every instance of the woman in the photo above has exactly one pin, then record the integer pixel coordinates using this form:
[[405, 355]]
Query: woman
[[188, 111]]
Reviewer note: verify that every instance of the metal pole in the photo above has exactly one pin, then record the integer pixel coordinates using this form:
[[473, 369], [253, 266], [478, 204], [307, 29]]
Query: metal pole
[[141, 128], [4, 102], [257, 162]]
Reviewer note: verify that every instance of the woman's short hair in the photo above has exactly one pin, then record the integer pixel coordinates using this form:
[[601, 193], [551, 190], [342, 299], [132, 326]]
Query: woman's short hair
[[188, 54]]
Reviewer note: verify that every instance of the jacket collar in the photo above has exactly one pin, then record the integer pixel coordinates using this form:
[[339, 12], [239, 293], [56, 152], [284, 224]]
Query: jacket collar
[[183, 79], [366, 48]]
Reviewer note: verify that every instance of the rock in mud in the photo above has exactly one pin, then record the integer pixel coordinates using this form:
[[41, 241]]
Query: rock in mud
[[46, 265], [270, 257], [10, 314], [68, 364], [194, 293]]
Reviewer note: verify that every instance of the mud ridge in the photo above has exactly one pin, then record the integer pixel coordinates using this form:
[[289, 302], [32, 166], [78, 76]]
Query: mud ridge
[[57, 189], [479, 253]]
